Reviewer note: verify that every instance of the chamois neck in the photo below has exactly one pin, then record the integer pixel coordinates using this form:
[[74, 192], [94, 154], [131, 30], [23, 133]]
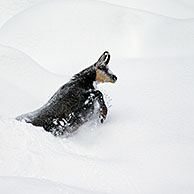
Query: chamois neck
[[86, 77]]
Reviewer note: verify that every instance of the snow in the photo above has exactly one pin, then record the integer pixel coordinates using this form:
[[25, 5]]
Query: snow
[[76, 28], [35, 186], [174, 8], [146, 144], [9, 8], [22, 75]]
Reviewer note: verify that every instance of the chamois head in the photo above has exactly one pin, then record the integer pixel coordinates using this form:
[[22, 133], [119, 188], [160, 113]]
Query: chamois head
[[103, 73]]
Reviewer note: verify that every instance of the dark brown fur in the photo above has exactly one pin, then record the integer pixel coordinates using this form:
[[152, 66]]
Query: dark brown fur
[[73, 103]]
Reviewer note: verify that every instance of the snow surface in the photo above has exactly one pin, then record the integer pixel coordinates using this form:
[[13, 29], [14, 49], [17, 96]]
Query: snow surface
[[9, 8], [146, 144], [25, 79], [79, 27], [171, 8], [18, 185]]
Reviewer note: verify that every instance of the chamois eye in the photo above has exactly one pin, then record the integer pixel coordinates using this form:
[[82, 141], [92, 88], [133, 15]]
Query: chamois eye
[[102, 67]]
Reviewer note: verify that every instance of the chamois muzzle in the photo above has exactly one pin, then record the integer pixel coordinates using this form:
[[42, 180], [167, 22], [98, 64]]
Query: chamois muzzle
[[113, 78], [103, 73]]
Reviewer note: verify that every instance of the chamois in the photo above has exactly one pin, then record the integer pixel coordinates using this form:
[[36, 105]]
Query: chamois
[[73, 104]]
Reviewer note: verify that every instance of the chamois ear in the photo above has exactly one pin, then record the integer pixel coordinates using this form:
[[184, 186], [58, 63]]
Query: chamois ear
[[104, 59]]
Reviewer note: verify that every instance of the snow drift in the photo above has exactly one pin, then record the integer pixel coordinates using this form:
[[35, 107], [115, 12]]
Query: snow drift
[[36, 186], [24, 82], [9, 8], [67, 32], [173, 8]]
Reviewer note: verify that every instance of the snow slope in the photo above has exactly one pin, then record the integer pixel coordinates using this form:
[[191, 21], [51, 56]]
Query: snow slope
[[146, 144], [9, 8], [23, 81], [171, 8], [67, 31], [74, 28], [35, 186]]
